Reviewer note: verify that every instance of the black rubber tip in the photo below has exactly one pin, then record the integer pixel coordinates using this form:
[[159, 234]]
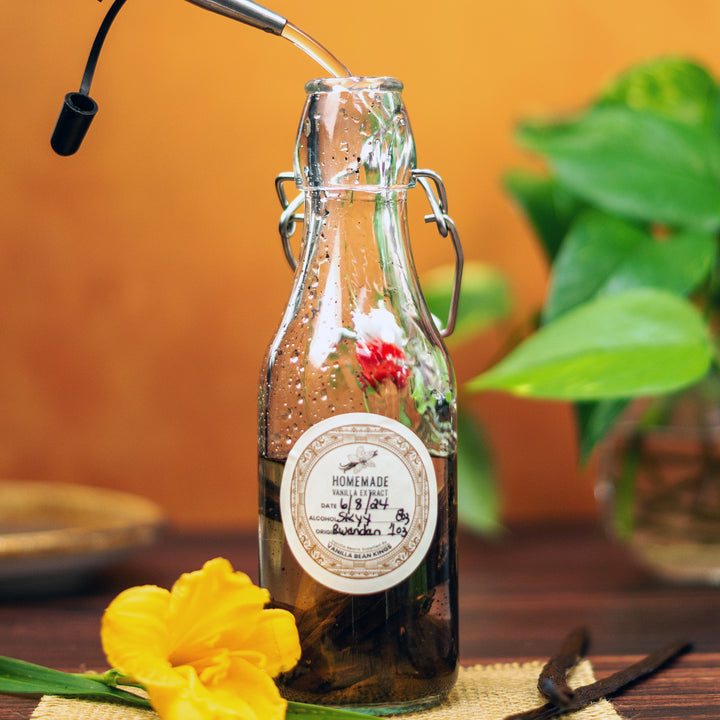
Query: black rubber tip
[[77, 113]]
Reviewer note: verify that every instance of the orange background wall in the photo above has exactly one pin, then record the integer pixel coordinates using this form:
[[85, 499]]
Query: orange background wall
[[142, 278]]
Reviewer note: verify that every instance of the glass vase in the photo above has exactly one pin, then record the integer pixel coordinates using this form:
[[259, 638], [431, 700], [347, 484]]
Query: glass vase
[[660, 484]]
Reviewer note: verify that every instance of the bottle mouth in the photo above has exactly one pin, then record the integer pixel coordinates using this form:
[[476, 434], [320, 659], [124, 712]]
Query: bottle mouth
[[353, 84], [354, 135]]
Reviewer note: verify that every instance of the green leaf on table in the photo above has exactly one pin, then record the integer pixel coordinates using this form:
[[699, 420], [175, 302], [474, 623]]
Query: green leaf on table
[[635, 164], [484, 298], [594, 419], [18, 677], [675, 87], [478, 502], [636, 343], [603, 254], [548, 206]]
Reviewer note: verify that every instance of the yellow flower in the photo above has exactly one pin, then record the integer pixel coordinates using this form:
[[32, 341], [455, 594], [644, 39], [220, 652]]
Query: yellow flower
[[207, 650]]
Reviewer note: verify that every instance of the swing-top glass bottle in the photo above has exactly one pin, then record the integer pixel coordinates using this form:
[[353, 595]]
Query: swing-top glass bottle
[[357, 423]]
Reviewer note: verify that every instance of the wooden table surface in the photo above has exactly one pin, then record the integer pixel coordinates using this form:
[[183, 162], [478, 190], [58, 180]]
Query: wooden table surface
[[519, 595]]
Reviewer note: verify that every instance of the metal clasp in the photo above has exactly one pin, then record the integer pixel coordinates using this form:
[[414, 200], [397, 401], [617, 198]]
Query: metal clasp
[[290, 216], [438, 204]]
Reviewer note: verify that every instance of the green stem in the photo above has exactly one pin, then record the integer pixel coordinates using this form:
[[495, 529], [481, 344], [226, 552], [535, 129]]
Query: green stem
[[111, 678], [303, 711], [625, 487]]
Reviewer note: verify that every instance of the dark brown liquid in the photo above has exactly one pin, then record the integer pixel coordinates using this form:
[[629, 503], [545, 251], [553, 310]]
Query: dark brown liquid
[[391, 651]]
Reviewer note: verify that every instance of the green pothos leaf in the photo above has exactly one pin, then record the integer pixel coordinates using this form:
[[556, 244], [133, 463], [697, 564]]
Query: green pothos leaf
[[635, 164], [478, 500], [603, 254], [548, 206], [673, 87], [594, 420], [636, 343]]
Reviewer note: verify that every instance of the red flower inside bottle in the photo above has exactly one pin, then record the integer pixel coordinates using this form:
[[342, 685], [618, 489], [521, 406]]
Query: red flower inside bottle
[[378, 348], [381, 361]]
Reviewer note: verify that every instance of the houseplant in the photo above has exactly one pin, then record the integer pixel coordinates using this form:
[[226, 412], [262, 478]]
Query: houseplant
[[628, 215]]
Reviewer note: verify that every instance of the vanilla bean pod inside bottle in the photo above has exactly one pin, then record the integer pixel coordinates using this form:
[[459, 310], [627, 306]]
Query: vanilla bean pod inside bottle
[[357, 422]]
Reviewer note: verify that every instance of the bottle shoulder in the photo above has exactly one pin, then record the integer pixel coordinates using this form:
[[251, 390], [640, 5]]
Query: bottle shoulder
[[311, 375]]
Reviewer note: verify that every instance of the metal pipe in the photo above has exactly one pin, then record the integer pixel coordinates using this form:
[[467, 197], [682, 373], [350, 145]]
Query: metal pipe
[[247, 12]]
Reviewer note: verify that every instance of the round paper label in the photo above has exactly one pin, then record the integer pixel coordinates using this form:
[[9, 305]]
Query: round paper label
[[358, 501]]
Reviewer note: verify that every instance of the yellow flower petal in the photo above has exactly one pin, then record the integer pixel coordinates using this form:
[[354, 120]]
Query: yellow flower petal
[[213, 607], [179, 701], [256, 688], [276, 636], [134, 632], [246, 693]]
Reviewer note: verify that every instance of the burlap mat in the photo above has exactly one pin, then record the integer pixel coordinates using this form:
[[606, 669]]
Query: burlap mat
[[483, 692]]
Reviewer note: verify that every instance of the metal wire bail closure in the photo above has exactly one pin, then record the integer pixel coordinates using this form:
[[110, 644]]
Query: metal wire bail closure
[[290, 216], [437, 198], [446, 226]]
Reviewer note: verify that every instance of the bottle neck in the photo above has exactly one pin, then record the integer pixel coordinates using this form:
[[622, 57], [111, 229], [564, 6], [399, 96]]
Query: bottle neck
[[356, 267], [360, 241]]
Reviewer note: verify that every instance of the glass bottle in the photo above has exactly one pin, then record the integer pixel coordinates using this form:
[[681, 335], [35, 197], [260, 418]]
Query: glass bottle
[[357, 424]]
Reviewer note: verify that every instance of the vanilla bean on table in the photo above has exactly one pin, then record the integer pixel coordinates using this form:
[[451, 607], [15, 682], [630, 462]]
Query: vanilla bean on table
[[609, 685], [552, 682]]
